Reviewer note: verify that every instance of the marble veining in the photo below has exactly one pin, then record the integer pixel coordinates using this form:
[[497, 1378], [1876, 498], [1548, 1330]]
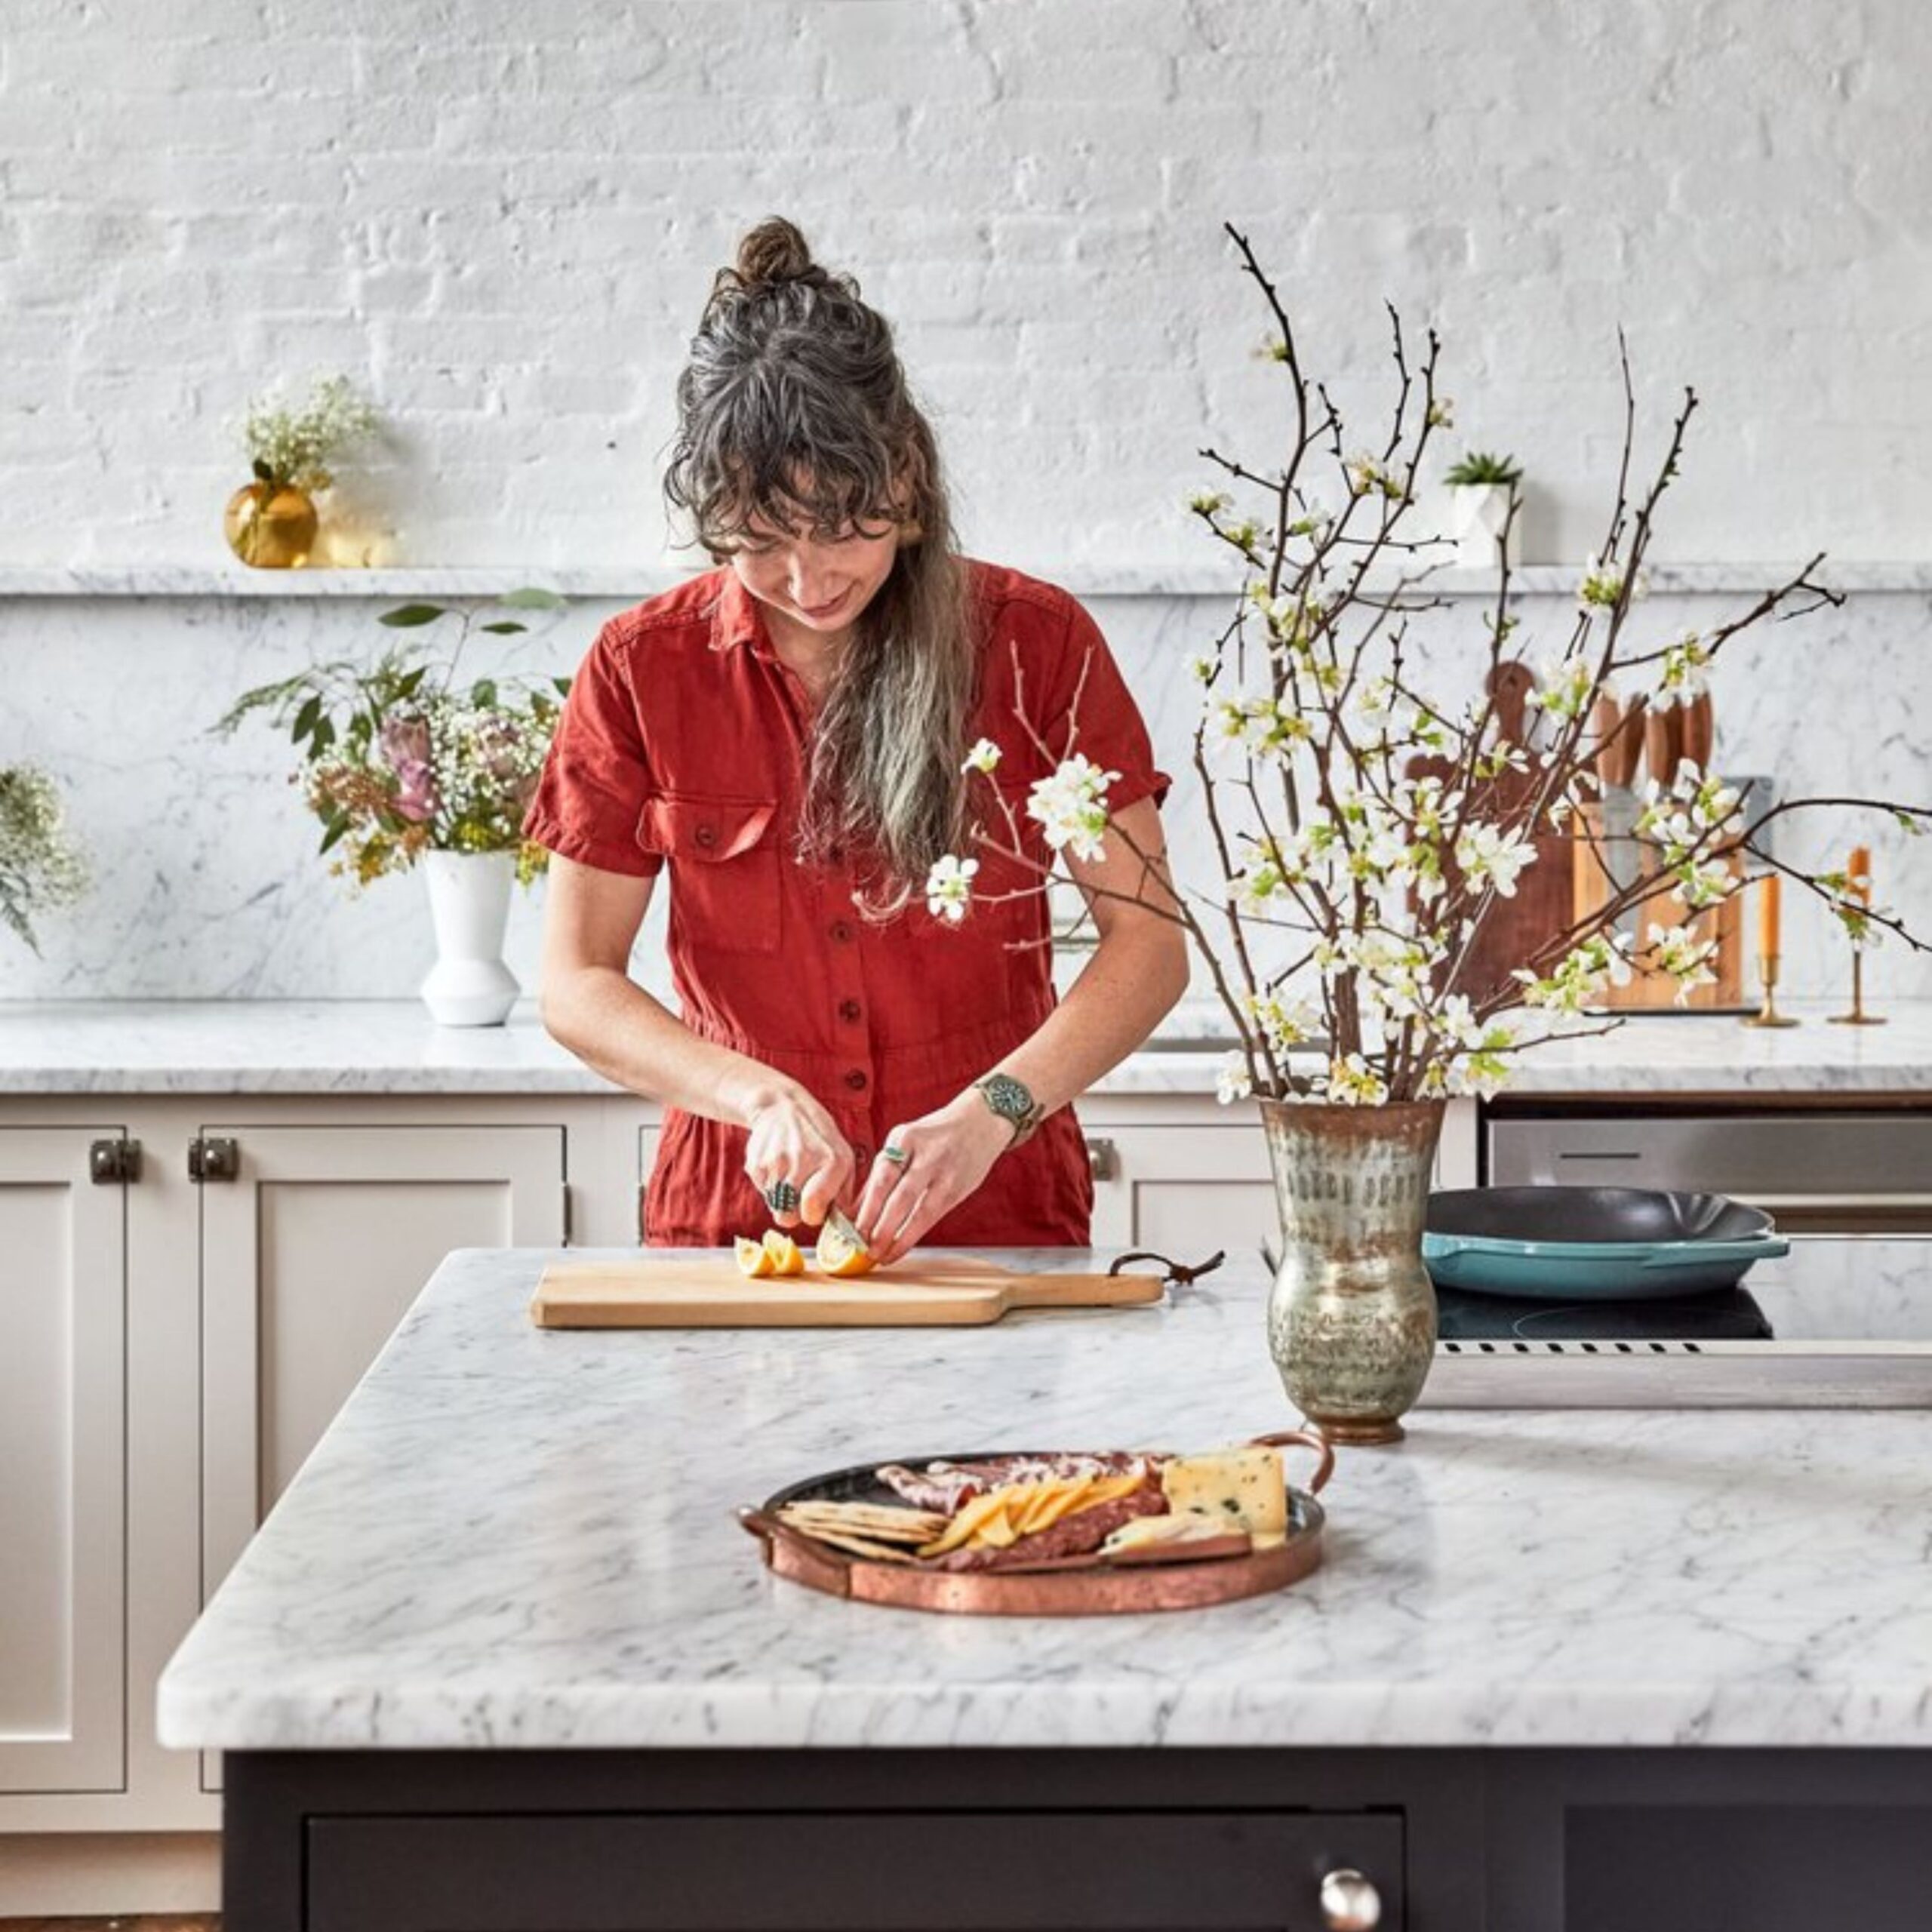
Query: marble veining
[[392, 1047], [516, 1538]]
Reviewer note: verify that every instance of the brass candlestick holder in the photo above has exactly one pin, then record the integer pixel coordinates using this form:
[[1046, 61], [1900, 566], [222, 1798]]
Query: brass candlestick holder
[[1768, 1015], [1857, 1017]]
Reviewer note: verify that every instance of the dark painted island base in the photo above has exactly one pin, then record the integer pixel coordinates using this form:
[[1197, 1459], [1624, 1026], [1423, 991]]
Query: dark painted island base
[[1691, 1840]]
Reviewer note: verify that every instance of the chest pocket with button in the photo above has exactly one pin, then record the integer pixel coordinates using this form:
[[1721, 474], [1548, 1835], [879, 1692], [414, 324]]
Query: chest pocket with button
[[724, 859]]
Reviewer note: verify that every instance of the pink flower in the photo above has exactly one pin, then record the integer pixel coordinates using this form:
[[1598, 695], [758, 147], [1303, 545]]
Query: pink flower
[[405, 743]]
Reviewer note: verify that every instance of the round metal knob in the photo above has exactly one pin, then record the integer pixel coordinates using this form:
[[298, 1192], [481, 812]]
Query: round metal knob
[[1349, 1903]]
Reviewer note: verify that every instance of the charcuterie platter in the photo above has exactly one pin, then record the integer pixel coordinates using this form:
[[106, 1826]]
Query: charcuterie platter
[[1051, 1532]]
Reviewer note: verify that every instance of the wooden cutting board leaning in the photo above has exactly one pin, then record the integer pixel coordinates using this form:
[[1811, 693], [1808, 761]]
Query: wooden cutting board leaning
[[708, 1291]]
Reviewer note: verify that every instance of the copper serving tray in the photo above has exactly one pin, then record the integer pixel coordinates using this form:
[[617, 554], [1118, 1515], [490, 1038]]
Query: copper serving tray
[[1072, 1586]]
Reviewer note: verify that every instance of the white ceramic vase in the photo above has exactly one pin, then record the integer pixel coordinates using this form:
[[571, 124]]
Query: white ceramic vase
[[469, 903], [1478, 513]]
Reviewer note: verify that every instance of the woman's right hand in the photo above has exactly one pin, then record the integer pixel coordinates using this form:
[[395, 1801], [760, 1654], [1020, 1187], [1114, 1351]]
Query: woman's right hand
[[793, 1138]]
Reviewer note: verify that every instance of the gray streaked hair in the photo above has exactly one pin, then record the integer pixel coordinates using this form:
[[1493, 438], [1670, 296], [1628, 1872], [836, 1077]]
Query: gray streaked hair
[[793, 410]]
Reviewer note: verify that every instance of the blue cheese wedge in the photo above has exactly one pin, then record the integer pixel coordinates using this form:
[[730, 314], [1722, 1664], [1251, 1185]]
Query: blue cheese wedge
[[1236, 1489]]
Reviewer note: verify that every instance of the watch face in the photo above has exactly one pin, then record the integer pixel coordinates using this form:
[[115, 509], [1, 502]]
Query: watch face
[[1009, 1099]]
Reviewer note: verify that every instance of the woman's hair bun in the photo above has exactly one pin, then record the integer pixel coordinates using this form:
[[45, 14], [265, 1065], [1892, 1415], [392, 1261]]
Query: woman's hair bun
[[775, 251]]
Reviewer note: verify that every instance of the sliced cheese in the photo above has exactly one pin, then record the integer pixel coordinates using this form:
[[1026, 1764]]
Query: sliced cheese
[[1237, 1489]]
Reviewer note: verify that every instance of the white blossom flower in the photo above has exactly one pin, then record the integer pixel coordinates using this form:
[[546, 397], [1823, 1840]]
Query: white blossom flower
[[1442, 413], [1283, 1025], [1366, 473], [1201, 668], [1683, 676], [949, 887], [1232, 1083], [1686, 958], [1208, 502], [1602, 585], [1486, 852], [1566, 686], [1352, 1082], [1071, 806], [982, 757]]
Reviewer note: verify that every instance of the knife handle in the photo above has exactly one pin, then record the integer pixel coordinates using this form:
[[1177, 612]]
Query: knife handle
[[1699, 732], [1660, 745]]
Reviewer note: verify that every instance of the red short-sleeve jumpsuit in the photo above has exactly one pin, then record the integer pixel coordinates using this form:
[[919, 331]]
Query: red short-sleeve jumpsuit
[[684, 740]]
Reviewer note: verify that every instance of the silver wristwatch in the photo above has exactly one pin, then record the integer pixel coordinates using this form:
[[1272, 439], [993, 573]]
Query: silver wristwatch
[[1013, 1102]]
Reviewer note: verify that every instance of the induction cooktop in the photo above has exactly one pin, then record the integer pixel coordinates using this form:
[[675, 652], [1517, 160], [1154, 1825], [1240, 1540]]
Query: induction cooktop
[[1842, 1320]]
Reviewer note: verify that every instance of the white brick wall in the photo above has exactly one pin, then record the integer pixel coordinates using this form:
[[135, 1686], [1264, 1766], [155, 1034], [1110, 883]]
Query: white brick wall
[[504, 222], [504, 219]]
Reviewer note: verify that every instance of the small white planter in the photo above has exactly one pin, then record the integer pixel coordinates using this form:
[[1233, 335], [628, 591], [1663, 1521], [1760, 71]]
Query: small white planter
[[469, 902], [1478, 512]]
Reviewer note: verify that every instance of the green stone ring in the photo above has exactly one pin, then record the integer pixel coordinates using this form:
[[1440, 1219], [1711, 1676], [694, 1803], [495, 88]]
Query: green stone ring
[[897, 1156], [781, 1197]]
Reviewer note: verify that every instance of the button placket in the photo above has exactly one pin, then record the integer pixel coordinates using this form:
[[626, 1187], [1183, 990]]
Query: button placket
[[847, 988]]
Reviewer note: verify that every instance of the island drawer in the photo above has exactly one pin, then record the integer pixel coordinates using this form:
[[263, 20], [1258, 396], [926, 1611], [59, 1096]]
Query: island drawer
[[960, 1870]]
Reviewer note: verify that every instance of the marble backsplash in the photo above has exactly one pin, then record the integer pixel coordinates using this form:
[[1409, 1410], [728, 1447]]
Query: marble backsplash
[[208, 884]]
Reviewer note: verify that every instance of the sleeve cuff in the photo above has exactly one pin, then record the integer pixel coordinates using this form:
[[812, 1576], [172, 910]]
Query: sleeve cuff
[[607, 855]]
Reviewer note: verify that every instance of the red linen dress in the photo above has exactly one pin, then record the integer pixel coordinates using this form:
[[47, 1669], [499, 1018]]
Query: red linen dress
[[684, 742]]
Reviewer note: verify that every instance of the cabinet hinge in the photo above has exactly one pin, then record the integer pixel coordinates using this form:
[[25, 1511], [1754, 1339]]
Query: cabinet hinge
[[114, 1163], [213, 1158]]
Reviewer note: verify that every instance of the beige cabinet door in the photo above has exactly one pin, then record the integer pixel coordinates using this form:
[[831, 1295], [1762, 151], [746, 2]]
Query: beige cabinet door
[[1184, 1191], [1187, 1190], [310, 1256], [63, 1467]]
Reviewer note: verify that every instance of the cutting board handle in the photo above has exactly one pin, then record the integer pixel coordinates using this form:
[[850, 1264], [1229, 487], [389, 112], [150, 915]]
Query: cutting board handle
[[1176, 1274]]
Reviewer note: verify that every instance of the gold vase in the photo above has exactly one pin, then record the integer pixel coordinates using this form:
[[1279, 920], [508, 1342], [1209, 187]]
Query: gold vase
[[272, 529], [1351, 1315]]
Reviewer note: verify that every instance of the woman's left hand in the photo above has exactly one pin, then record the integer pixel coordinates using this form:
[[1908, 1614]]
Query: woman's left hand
[[949, 1153]]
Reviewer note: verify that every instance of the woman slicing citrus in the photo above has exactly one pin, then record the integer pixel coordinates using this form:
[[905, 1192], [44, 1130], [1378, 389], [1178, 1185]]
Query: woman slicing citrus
[[792, 734]]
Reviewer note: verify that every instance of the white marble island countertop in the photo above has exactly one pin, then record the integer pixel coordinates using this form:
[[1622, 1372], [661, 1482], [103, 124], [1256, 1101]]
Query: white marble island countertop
[[513, 1538], [391, 1046]]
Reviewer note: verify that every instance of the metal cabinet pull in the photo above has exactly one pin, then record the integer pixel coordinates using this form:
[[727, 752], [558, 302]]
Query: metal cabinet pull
[[1103, 1156], [1349, 1903], [213, 1158], [114, 1163]]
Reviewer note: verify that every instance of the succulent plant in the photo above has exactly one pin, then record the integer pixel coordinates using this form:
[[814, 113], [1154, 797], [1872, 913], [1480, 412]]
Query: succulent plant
[[1481, 466]]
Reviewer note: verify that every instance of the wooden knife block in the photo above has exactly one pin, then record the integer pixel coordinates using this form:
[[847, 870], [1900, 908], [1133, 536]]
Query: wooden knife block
[[1650, 990]]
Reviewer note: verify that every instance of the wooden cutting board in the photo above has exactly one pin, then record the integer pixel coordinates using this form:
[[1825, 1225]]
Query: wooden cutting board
[[707, 1291]]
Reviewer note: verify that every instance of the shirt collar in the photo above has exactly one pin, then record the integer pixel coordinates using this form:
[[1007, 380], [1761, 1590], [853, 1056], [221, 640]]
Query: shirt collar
[[736, 618]]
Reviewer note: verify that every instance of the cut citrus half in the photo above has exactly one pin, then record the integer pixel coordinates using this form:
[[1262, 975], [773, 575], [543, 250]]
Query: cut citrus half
[[837, 1255], [754, 1257], [786, 1259]]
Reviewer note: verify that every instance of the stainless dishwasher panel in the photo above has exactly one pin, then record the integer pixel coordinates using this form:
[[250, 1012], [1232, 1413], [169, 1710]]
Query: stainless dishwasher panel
[[1821, 1173]]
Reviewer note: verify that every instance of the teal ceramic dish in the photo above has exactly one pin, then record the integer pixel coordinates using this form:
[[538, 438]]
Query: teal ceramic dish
[[1593, 1243]]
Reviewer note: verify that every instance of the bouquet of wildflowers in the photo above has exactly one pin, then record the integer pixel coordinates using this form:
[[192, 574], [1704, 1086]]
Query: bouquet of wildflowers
[[40, 865], [290, 447], [1369, 823], [398, 758]]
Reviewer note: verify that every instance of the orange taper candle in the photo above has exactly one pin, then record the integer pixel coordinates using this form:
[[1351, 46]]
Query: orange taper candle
[[1769, 887], [1859, 870]]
